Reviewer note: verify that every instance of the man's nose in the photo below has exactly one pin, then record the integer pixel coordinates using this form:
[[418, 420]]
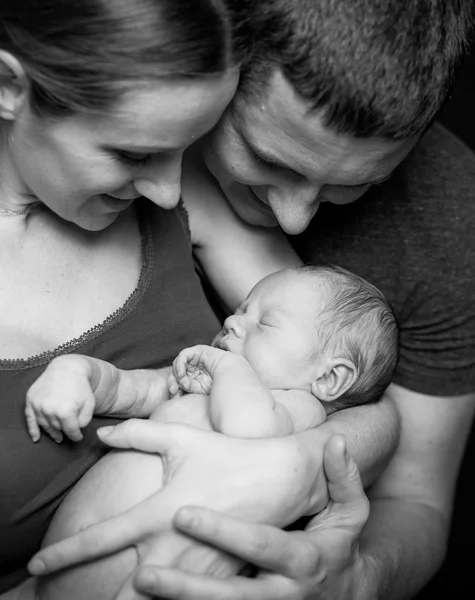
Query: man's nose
[[294, 206], [159, 180]]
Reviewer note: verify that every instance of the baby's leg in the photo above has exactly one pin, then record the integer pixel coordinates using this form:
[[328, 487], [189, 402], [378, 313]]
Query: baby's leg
[[114, 484], [117, 482]]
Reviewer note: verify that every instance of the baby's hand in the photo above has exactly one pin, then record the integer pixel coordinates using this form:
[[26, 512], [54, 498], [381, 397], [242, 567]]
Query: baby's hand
[[194, 368], [174, 388], [60, 400]]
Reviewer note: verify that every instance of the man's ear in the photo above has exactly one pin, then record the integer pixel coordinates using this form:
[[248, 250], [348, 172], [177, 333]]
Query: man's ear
[[13, 86], [334, 379]]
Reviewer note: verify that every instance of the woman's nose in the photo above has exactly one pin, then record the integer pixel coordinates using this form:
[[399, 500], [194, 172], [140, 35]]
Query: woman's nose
[[159, 181]]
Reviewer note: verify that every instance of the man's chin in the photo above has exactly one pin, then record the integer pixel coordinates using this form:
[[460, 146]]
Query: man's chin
[[254, 216]]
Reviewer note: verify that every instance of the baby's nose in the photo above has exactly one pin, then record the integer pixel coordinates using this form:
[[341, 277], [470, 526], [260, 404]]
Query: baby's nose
[[233, 323]]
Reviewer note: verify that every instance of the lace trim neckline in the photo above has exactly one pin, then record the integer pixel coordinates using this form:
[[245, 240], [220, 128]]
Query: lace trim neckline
[[146, 243]]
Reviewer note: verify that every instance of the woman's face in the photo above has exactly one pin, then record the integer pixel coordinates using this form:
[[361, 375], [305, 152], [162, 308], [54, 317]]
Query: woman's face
[[87, 168]]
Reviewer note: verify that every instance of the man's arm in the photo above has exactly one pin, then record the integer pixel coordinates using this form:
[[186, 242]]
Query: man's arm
[[406, 536], [400, 548], [371, 432]]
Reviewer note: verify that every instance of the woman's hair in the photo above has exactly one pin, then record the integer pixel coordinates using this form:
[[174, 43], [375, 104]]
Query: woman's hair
[[79, 55]]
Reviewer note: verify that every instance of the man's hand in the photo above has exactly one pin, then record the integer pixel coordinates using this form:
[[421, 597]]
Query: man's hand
[[194, 368], [262, 480], [321, 562], [60, 401]]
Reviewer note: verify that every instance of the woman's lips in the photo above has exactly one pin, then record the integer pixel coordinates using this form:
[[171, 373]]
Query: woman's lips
[[116, 203]]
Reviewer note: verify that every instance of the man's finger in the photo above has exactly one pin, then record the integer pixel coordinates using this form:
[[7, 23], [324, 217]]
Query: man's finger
[[344, 482], [264, 546], [176, 585]]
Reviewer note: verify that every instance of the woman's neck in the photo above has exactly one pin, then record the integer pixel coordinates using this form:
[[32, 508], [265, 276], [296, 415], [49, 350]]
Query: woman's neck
[[15, 199]]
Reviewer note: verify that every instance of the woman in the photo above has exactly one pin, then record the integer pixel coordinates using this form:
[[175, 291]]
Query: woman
[[98, 100]]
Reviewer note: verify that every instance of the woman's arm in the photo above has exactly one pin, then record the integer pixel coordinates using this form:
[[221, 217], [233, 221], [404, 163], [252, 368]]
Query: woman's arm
[[233, 254]]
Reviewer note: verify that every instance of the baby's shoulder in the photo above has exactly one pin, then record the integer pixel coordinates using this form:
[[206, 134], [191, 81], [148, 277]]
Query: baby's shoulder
[[305, 410]]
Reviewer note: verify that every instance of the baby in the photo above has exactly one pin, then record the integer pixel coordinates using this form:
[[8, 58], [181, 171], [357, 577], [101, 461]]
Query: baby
[[306, 342]]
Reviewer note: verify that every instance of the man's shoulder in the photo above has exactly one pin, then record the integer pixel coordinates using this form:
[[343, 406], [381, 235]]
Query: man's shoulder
[[440, 158]]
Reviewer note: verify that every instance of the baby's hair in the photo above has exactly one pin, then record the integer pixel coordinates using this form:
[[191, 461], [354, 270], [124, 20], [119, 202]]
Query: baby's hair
[[357, 323]]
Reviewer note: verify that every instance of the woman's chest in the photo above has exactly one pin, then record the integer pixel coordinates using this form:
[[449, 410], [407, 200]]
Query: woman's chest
[[57, 287]]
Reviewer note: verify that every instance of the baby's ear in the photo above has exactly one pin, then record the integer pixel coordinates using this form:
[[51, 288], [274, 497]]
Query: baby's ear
[[13, 86], [334, 379]]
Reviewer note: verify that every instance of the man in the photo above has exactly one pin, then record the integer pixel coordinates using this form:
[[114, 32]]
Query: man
[[338, 94]]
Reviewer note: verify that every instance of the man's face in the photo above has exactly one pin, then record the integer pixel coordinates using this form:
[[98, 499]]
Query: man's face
[[276, 162]]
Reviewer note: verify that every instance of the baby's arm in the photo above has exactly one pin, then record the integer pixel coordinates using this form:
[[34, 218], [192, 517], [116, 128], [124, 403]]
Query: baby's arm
[[240, 404], [74, 387]]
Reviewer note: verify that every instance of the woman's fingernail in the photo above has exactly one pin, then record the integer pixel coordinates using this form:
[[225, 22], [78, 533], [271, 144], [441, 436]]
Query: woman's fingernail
[[36, 566], [187, 518], [105, 431], [147, 580]]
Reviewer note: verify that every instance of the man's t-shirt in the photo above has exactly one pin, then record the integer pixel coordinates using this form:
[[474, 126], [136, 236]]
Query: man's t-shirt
[[414, 238]]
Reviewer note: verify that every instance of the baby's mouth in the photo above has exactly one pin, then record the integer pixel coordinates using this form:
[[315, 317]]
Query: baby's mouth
[[221, 344]]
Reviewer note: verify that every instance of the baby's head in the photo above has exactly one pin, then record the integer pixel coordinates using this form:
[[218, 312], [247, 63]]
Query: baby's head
[[317, 328]]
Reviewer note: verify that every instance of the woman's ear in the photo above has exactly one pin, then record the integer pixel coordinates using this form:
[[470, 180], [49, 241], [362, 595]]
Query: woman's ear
[[13, 86], [336, 377]]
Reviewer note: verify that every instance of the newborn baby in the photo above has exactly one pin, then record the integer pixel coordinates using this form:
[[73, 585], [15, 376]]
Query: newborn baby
[[306, 342]]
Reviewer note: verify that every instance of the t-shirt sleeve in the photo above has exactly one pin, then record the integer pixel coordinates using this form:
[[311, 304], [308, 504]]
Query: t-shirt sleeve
[[437, 312]]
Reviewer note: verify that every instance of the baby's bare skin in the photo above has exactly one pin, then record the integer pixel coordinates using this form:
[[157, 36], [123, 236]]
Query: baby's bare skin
[[120, 480]]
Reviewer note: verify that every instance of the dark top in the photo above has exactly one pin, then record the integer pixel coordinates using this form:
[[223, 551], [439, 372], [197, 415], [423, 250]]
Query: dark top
[[414, 238], [167, 312]]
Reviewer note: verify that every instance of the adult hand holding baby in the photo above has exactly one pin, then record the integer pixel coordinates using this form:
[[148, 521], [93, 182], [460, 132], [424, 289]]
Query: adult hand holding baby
[[193, 476], [324, 561]]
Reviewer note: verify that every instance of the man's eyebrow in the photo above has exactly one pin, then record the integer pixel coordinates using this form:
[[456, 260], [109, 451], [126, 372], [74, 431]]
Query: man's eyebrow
[[272, 161], [265, 156], [137, 149]]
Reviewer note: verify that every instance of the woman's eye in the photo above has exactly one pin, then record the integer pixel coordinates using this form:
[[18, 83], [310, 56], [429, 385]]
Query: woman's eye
[[133, 159]]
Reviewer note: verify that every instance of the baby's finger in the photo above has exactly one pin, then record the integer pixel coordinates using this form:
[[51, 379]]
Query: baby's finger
[[86, 413], [54, 434], [71, 429], [51, 426], [32, 424]]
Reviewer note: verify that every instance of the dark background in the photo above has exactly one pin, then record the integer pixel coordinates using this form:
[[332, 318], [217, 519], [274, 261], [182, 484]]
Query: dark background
[[456, 579]]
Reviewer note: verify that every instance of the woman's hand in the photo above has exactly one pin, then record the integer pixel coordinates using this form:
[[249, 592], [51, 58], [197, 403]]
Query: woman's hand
[[321, 562], [262, 480]]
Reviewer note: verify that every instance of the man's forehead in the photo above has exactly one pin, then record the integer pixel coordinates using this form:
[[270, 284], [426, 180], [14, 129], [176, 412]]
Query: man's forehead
[[279, 124]]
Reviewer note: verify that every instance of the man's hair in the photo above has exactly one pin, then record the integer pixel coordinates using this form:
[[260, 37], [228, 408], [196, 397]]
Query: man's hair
[[79, 55], [371, 68], [356, 323]]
